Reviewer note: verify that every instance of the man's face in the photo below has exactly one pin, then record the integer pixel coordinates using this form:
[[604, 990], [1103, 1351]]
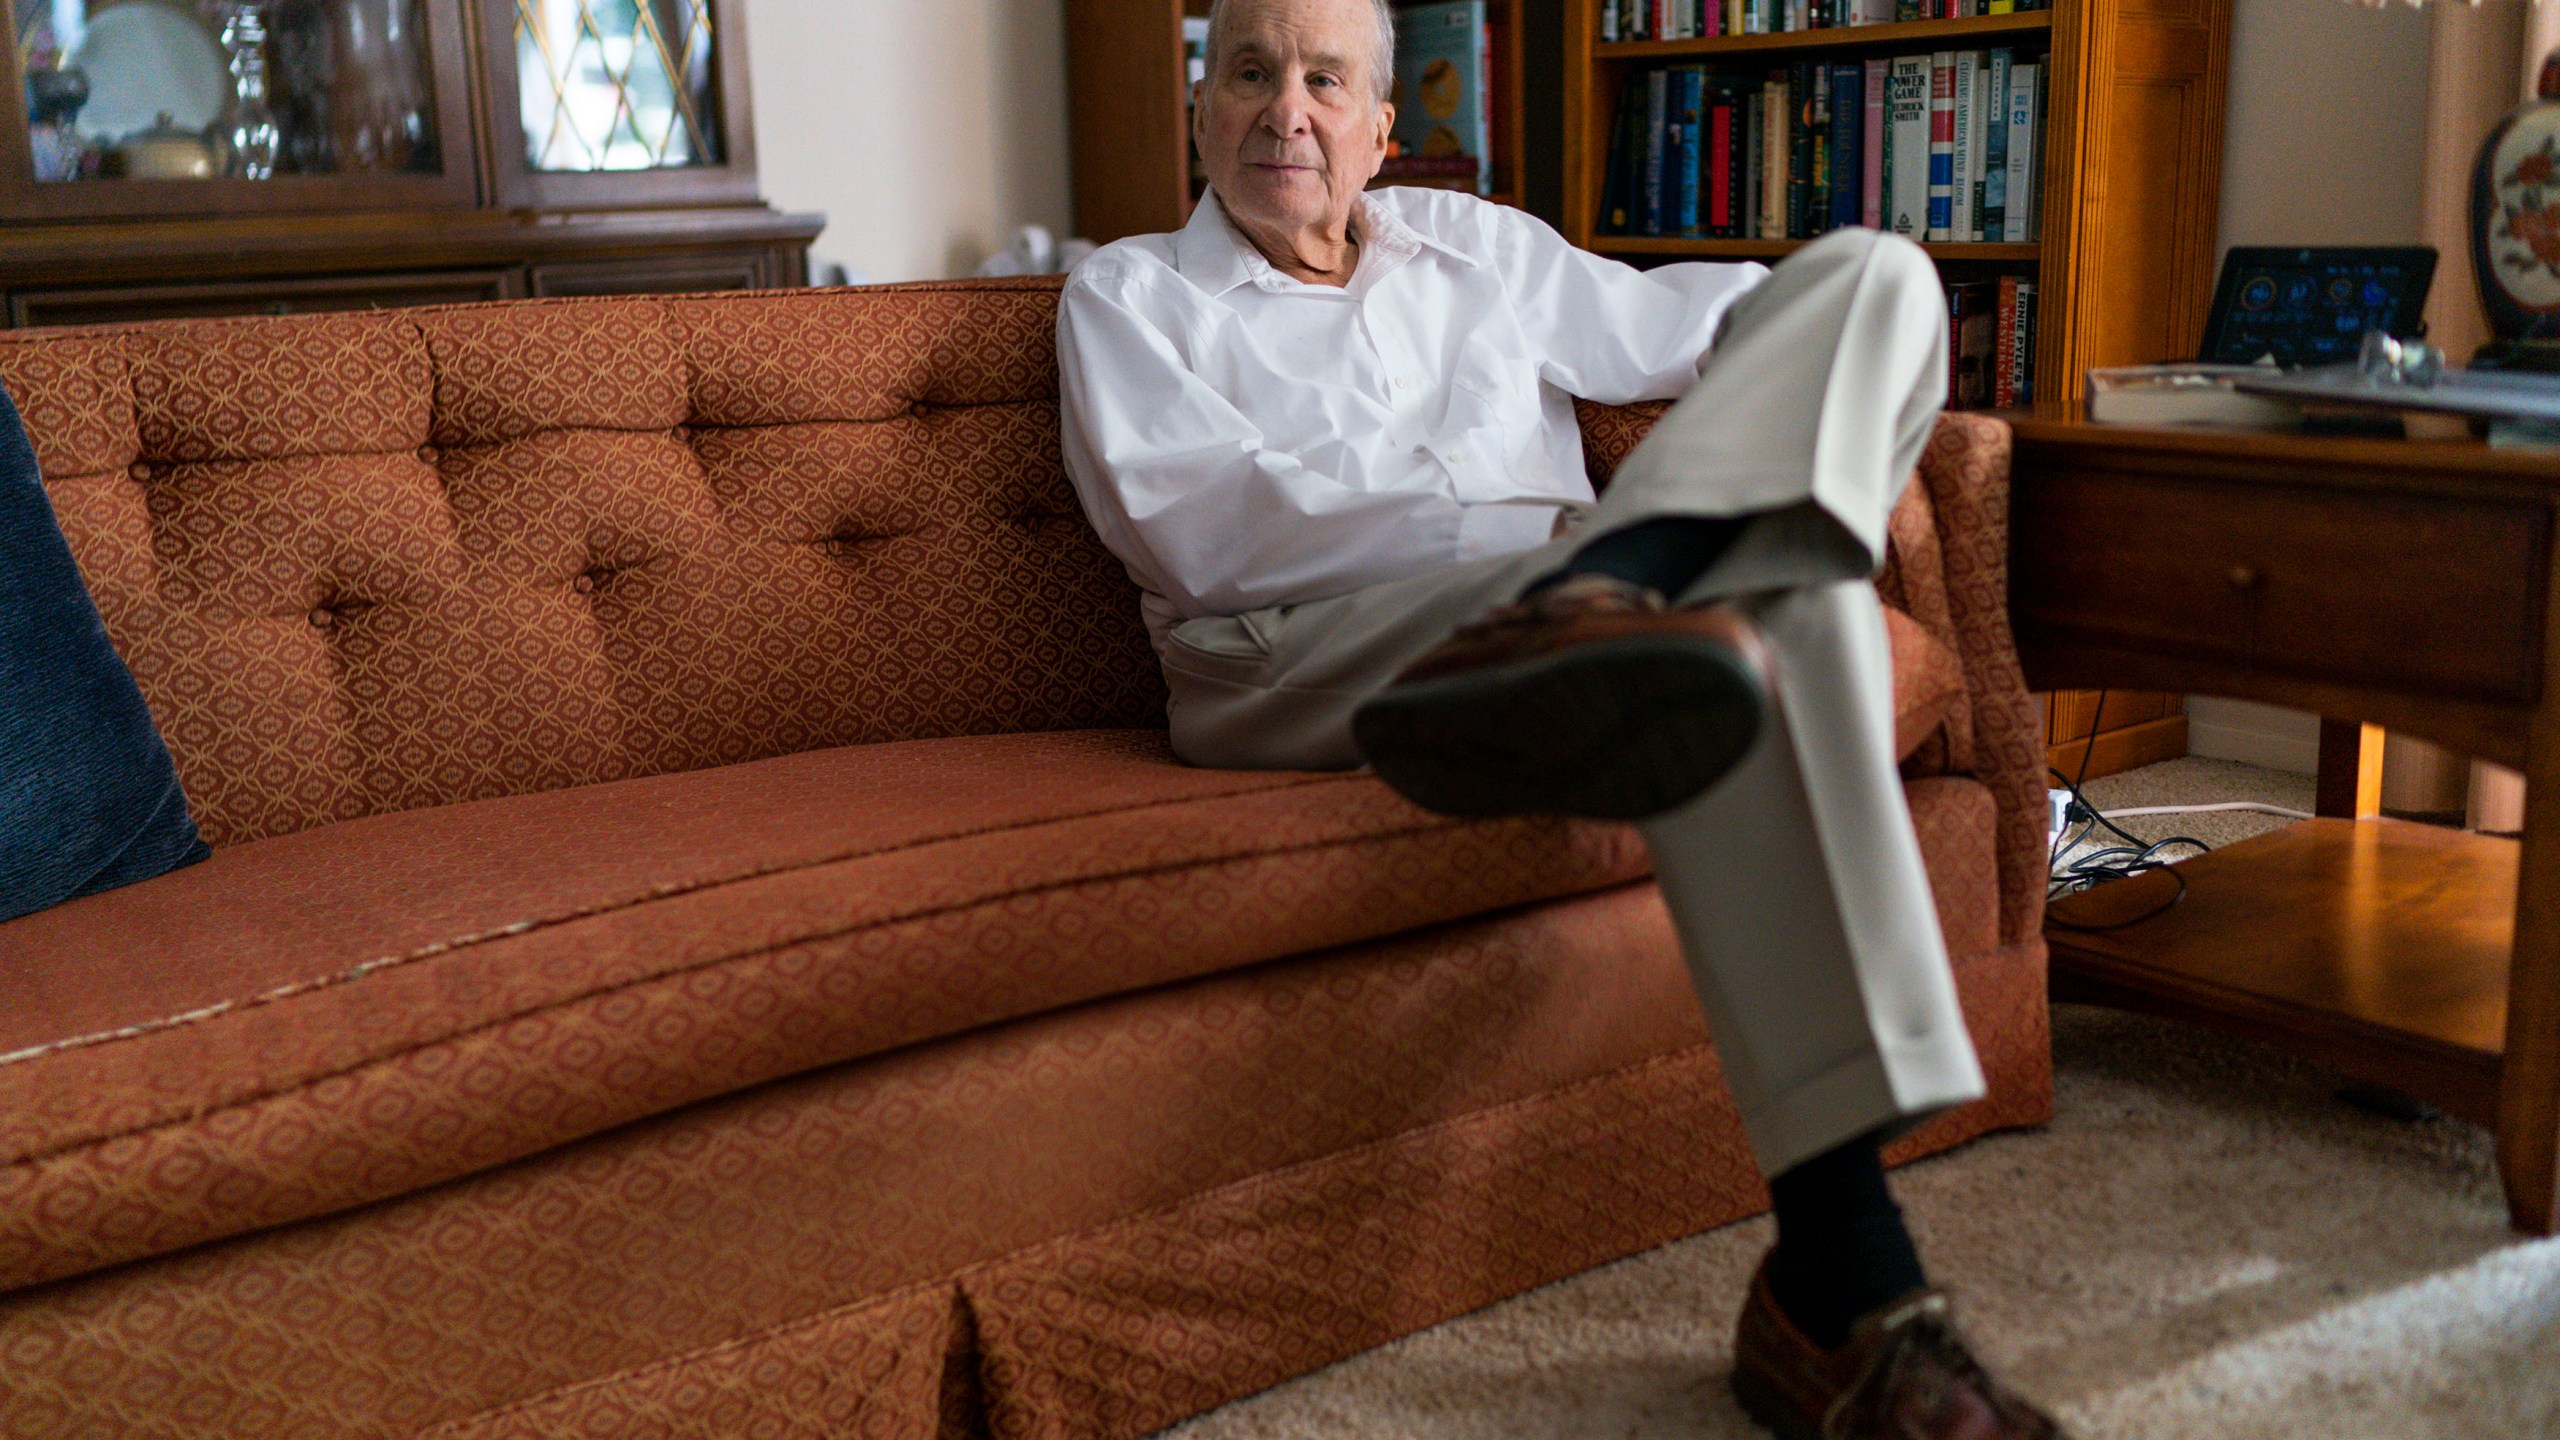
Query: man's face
[[1289, 124]]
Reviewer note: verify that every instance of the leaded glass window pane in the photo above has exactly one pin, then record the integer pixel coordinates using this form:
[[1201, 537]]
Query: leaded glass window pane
[[617, 84]]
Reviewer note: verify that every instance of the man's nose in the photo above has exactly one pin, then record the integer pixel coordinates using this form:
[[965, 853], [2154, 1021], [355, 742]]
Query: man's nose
[[1286, 115]]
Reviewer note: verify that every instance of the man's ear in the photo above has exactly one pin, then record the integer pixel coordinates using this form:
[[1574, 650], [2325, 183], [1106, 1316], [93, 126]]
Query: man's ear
[[1199, 117], [1386, 124]]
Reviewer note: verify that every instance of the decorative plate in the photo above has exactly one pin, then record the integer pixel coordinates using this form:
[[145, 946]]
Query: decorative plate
[[146, 59]]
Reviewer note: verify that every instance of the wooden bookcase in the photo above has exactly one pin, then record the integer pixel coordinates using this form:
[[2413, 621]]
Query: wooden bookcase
[[1129, 113], [2132, 164], [2131, 193]]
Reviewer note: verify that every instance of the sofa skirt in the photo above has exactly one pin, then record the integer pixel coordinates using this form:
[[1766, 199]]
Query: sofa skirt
[[1093, 1223]]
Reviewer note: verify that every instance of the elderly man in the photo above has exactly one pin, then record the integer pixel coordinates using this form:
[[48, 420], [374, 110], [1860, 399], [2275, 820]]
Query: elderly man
[[1331, 434]]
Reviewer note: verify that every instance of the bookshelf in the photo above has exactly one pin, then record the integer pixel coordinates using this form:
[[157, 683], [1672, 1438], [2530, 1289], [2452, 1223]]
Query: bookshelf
[[2129, 183], [1129, 113], [2129, 190]]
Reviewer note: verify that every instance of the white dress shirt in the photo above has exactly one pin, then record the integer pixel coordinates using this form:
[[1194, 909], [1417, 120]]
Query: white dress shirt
[[1241, 439]]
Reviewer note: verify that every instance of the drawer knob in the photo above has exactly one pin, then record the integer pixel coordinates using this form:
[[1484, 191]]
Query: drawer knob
[[2244, 577]]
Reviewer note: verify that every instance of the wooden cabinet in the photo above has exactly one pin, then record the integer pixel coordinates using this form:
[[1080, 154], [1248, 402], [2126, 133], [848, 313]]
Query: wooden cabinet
[[1129, 109], [345, 154]]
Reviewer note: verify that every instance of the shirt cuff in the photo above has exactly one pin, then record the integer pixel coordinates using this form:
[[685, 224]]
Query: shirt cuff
[[1505, 529]]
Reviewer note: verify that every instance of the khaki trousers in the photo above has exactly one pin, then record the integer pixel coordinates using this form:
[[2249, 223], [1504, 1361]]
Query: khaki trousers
[[1795, 883]]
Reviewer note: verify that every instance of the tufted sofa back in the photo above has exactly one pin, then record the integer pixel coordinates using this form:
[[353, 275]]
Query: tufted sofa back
[[365, 563]]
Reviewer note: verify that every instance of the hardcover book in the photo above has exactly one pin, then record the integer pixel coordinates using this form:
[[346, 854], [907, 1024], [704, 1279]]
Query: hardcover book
[[1657, 125], [1972, 321], [1847, 143], [1942, 145], [2004, 350], [1775, 156], [1686, 162], [1750, 204], [2025, 151], [1994, 106], [1966, 146], [1817, 120], [1875, 156], [1907, 120], [1722, 149], [1443, 104]]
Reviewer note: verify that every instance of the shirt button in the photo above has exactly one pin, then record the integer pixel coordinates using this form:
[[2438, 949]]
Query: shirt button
[[1403, 384], [1457, 457]]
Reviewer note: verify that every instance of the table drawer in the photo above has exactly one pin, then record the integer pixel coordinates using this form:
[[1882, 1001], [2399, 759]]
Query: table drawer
[[2275, 578]]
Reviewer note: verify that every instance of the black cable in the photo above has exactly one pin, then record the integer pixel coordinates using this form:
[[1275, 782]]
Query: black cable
[[2114, 862]]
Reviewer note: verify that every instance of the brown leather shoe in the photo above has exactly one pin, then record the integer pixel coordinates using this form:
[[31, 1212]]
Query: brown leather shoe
[[1590, 698], [1903, 1374]]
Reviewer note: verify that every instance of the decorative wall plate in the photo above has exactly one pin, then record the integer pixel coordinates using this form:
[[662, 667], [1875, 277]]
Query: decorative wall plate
[[146, 59]]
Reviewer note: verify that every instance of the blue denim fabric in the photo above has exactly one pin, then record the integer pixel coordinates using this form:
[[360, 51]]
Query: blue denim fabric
[[89, 799]]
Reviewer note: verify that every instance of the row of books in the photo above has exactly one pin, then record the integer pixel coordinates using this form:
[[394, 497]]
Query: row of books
[[1705, 19], [1941, 147], [1991, 343]]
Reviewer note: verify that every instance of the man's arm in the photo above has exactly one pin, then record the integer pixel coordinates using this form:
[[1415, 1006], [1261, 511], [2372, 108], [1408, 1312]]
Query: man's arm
[[1182, 487], [1609, 332]]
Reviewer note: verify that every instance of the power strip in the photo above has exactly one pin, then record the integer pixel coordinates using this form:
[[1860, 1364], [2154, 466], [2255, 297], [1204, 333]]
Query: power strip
[[2058, 808]]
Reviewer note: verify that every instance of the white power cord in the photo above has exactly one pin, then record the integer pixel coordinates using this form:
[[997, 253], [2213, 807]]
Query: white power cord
[[2202, 809]]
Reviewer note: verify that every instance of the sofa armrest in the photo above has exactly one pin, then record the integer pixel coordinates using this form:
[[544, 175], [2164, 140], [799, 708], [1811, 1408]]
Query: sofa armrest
[[1951, 543], [1946, 566]]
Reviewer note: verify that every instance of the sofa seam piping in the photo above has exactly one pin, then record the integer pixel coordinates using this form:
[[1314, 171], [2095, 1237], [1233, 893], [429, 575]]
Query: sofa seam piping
[[39, 1157], [516, 928]]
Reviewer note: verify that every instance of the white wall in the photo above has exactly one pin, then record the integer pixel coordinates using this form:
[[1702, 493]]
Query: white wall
[[2322, 141], [2322, 146], [926, 130]]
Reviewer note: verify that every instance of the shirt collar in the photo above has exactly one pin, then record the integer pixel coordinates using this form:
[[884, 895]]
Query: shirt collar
[[1213, 255]]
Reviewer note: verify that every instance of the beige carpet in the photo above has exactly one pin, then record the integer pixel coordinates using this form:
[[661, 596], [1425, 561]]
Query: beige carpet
[[2205, 1244]]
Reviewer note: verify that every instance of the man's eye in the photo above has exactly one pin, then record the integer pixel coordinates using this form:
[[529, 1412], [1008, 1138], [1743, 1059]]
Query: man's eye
[[1250, 72]]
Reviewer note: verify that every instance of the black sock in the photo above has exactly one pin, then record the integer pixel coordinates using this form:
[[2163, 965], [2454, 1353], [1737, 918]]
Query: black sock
[[1666, 553], [1842, 1250]]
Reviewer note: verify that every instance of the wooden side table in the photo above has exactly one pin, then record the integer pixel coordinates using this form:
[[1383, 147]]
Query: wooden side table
[[2407, 584]]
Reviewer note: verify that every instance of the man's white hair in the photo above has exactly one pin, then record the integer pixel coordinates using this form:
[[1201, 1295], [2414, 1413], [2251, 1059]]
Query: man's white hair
[[1383, 67]]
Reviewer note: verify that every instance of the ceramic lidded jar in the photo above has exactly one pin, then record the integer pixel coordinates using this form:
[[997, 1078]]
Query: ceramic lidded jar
[[2515, 228]]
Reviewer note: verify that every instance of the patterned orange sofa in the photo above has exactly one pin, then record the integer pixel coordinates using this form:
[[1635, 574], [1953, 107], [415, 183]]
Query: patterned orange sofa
[[706, 938]]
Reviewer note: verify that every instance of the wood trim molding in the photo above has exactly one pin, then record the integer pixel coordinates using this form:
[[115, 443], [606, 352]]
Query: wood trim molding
[[1132, 160], [1582, 161]]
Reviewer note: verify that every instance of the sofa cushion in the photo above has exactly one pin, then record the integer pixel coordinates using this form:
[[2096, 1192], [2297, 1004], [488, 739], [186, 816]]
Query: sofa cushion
[[329, 1017], [379, 562]]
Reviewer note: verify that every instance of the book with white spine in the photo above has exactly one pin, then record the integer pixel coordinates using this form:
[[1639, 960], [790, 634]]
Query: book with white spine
[[1967, 145], [2026, 135]]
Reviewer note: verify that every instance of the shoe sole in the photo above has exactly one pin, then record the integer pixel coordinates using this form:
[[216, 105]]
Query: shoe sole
[[1612, 730]]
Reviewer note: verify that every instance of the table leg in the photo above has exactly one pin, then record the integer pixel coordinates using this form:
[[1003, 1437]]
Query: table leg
[[2350, 786], [2529, 1072], [2529, 1076]]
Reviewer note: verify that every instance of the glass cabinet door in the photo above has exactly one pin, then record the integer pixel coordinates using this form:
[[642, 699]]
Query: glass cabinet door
[[130, 102], [616, 84], [617, 100]]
